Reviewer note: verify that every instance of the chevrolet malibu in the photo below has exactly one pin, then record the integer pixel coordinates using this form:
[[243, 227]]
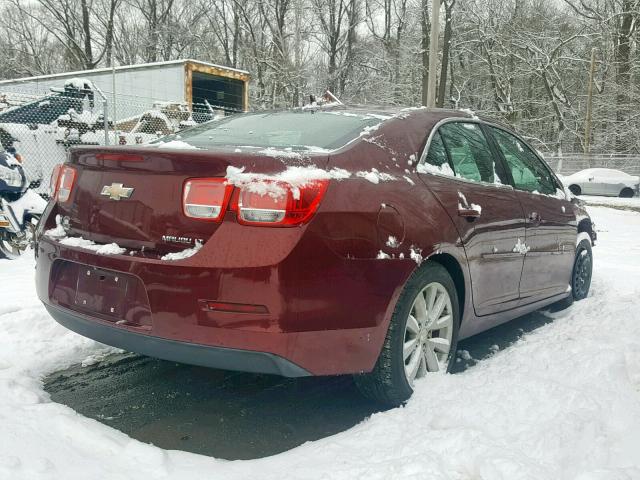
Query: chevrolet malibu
[[311, 242]]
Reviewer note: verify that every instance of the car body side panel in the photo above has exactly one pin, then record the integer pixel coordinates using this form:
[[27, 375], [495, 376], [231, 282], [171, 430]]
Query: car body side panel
[[550, 242], [489, 240]]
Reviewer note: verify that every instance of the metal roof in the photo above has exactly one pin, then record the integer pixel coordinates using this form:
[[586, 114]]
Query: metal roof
[[80, 73]]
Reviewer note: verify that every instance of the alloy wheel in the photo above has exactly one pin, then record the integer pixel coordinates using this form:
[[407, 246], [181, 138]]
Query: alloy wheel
[[428, 333]]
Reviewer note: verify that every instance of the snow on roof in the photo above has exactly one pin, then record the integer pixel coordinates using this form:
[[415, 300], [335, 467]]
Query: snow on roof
[[120, 68], [79, 83]]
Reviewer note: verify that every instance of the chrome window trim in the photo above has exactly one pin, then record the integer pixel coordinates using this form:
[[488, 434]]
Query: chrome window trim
[[425, 151]]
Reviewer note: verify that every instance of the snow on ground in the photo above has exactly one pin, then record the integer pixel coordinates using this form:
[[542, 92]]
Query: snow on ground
[[631, 203], [561, 403]]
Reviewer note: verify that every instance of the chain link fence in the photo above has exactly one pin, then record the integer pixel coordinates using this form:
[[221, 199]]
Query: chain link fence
[[42, 128], [574, 162]]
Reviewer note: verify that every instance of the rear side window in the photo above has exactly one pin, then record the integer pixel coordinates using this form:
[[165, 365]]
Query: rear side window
[[527, 170], [437, 155], [469, 152], [298, 130]]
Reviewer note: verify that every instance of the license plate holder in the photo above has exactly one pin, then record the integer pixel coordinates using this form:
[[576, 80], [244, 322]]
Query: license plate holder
[[101, 291]]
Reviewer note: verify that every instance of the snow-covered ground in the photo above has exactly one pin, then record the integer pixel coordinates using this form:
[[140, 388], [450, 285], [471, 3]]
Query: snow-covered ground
[[630, 203], [561, 403]]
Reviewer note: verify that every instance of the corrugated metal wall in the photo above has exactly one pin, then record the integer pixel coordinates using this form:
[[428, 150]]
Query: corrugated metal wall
[[136, 89]]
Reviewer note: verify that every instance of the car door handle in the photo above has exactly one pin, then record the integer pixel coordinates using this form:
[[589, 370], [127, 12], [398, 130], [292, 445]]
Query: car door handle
[[534, 217], [468, 213]]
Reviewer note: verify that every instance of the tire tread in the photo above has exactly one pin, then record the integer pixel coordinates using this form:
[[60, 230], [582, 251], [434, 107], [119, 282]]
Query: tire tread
[[379, 384]]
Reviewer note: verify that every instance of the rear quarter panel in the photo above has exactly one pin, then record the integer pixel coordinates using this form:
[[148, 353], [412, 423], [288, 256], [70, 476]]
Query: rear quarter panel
[[357, 217]]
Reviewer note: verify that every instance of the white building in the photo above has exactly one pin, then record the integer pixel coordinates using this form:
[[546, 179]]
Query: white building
[[135, 88]]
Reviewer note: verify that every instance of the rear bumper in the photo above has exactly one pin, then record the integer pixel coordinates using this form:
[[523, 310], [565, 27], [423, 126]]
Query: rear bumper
[[182, 352], [312, 326]]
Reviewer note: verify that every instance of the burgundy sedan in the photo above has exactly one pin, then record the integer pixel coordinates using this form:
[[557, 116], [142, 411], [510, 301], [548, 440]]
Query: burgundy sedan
[[311, 242]]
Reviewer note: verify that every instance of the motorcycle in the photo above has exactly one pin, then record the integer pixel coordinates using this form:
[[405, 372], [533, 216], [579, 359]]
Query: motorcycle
[[20, 206]]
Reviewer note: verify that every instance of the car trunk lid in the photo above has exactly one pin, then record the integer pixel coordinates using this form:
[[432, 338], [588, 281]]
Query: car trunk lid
[[133, 196]]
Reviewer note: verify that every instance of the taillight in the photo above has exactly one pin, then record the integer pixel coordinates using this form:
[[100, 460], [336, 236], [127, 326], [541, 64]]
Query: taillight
[[62, 180], [206, 198], [284, 206]]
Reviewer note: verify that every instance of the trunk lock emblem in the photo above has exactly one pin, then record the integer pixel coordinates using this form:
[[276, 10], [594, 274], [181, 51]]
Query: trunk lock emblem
[[116, 191]]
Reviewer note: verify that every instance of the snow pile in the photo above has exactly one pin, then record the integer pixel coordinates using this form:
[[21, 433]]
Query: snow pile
[[464, 205], [277, 185], [279, 153], [79, 83], [476, 207], [416, 255], [186, 253], [86, 116], [443, 169], [30, 201], [383, 256], [59, 233], [559, 194], [100, 249], [405, 112], [563, 402], [289, 153], [392, 242], [364, 115], [178, 144], [521, 247], [374, 176], [367, 130], [469, 112]]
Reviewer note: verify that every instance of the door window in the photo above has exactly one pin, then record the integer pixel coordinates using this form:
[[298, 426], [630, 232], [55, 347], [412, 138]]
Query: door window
[[469, 152], [437, 156], [528, 172]]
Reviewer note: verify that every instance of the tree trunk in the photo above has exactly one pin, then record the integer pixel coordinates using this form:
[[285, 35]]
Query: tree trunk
[[425, 31], [448, 34]]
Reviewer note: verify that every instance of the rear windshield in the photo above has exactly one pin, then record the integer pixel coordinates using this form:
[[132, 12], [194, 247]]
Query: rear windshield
[[298, 130]]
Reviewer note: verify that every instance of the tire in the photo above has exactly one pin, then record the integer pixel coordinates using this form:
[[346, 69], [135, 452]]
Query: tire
[[582, 270], [390, 381], [575, 189], [627, 193]]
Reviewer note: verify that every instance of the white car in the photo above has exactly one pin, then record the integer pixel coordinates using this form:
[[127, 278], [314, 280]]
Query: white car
[[602, 181]]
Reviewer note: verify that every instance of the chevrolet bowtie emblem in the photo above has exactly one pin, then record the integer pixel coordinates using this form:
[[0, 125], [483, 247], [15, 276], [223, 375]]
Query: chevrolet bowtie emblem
[[116, 191]]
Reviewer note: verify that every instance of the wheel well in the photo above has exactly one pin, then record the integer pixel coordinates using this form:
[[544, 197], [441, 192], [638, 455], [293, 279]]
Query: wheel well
[[584, 226], [575, 189], [627, 190], [453, 268]]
